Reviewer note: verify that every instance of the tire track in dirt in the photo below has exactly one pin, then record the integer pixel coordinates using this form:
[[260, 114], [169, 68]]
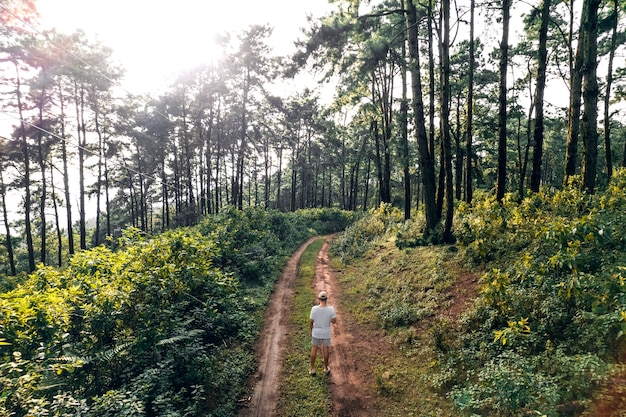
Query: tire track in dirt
[[270, 347], [348, 396]]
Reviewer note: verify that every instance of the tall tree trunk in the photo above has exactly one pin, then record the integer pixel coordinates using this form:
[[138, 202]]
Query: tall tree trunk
[[431, 79], [378, 157], [82, 143], [165, 211], [42, 167], [26, 156], [66, 176], [238, 181], [469, 188], [7, 226], [458, 151], [57, 224], [426, 159], [589, 122], [522, 154], [367, 183], [218, 164], [404, 128], [279, 177], [535, 176], [445, 122], [190, 203], [502, 110], [107, 187], [441, 178], [97, 240], [607, 94], [576, 79]]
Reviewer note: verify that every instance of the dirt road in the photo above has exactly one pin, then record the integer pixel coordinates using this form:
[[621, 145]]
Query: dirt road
[[349, 393]]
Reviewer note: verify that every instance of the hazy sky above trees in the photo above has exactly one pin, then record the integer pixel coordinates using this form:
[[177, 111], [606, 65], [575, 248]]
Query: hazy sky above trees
[[154, 40]]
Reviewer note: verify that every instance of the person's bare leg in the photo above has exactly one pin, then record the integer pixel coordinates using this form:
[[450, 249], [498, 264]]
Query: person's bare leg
[[313, 355], [326, 352]]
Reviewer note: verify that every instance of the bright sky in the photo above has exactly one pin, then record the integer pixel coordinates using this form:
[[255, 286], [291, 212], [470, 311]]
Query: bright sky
[[154, 39]]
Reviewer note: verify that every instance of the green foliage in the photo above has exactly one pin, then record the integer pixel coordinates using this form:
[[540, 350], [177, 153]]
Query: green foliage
[[162, 325], [551, 314], [365, 232]]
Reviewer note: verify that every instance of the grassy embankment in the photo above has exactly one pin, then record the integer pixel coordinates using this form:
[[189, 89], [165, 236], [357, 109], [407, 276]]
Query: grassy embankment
[[396, 361]]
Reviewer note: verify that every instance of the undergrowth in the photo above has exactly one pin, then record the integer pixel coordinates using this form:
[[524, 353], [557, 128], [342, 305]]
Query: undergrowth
[[399, 291], [549, 323], [162, 325]]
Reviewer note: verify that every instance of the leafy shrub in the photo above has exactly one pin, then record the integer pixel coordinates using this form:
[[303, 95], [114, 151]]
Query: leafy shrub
[[362, 235], [163, 325], [552, 308]]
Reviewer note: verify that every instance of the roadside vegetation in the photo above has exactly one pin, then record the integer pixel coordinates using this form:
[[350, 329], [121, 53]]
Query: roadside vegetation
[[524, 315], [160, 326], [545, 334]]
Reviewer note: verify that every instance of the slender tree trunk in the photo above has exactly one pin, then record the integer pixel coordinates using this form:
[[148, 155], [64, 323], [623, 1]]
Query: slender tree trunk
[[209, 162], [218, 162], [441, 178], [431, 79], [56, 220], [27, 192], [535, 176], [576, 78], [279, 177], [502, 111], [190, 202], [524, 155], [607, 94], [379, 159], [165, 213], [82, 142], [7, 226], [404, 128], [367, 183], [469, 188], [97, 239], [589, 122], [426, 159], [458, 151], [107, 196], [342, 185], [445, 119], [238, 181], [42, 167], [66, 176]]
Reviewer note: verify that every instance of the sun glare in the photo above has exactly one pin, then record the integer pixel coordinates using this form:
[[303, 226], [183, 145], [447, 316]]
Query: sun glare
[[157, 40]]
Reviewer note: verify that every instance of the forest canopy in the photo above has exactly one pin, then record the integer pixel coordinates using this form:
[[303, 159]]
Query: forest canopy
[[431, 104]]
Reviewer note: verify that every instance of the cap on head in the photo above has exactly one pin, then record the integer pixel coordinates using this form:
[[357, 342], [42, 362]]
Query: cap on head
[[323, 295]]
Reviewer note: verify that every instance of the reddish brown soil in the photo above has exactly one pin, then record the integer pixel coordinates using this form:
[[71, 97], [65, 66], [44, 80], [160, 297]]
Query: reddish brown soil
[[351, 392], [357, 348], [610, 400], [271, 345]]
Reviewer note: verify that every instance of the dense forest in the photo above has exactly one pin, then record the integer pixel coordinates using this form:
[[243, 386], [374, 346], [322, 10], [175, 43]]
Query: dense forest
[[432, 103], [142, 234]]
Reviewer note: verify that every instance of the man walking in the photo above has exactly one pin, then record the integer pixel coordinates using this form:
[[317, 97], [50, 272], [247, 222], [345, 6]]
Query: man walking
[[322, 316]]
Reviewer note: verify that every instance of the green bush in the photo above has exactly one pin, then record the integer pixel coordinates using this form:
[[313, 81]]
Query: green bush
[[363, 234], [163, 325], [552, 310]]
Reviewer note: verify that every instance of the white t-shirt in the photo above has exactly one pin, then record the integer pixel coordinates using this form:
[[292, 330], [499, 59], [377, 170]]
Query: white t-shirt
[[321, 317]]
